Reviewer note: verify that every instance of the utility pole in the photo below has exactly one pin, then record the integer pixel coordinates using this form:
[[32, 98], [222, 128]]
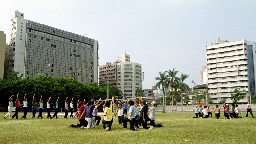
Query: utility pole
[[108, 81]]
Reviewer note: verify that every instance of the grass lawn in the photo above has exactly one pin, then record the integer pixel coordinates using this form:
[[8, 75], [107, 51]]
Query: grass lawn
[[178, 128]]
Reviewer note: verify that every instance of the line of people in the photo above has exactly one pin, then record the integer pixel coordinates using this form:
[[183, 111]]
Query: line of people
[[35, 106], [230, 111]]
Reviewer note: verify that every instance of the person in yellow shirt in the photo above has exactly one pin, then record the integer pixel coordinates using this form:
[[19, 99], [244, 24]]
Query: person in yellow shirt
[[208, 110], [217, 112], [108, 115]]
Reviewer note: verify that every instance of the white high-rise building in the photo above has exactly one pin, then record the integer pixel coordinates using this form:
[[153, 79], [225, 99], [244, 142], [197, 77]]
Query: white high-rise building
[[38, 49], [231, 65], [129, 76]]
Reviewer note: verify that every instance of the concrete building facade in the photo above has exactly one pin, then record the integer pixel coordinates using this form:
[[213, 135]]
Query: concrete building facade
[[129, 76], [231, 65], [107, 73], [2, 53], [37, 49]]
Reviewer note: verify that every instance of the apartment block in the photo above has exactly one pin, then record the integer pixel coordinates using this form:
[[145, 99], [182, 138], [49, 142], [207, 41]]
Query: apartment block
[[129, 76], [37, 49], [107, 73], [231, 65], [2, 53]]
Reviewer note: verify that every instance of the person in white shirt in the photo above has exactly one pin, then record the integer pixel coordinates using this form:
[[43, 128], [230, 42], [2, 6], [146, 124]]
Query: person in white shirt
[[205, 112], [71, 108], [48, 106], [120, 114], [9, 108], [249, 109], [25, 107], [237, 111], [41, 105]]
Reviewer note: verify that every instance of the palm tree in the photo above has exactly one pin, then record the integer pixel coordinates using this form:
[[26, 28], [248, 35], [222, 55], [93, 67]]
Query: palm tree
[[162, 81], [183, 86], [173, 81]]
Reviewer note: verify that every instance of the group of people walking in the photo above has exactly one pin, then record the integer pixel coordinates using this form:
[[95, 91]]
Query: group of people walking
[[127, 111], [230, 111]]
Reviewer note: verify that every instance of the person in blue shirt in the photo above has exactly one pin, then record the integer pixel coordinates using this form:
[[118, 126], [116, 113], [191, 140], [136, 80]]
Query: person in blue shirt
[[125, 108], [56, 108], [196, 110], [131, 116]]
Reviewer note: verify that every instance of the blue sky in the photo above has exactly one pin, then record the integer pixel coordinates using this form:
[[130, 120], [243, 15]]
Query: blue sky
[[159, 34]]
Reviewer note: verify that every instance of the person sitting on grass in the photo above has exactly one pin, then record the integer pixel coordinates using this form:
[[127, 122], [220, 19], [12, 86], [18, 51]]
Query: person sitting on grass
[[205, 112], [9, 108], [108, 115], [217, 112], [95, 113], [196, 110]]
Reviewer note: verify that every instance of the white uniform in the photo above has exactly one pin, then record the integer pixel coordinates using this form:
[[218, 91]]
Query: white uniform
[[9, 110]]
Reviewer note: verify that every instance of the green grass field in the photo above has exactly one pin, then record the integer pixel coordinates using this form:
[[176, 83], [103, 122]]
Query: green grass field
[[178, 128]]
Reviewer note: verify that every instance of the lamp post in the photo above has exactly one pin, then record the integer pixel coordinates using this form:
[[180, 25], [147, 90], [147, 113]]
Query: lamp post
[[108, 64]]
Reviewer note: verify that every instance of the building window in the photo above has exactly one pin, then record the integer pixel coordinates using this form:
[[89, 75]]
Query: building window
[[42, 38]]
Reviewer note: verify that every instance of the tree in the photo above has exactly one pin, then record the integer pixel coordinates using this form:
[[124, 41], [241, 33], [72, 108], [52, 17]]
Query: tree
[[210, 100], [186, 99], [236, 95], [183, 86], [222, 101], [139, 92], [13, 76], [199, 96], [253, 99], [162, 82], [173, 80]]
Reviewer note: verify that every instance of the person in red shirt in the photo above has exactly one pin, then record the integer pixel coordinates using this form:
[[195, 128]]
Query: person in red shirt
[[81, 116], [17, 103]]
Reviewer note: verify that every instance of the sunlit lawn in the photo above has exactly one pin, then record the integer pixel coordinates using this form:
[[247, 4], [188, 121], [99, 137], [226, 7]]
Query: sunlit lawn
[[178, 128]]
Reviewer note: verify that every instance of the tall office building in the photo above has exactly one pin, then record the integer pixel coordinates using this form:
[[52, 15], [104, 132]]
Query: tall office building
[[2, 53], [38, 49], [129, 76], [231, 65], [107, 73]]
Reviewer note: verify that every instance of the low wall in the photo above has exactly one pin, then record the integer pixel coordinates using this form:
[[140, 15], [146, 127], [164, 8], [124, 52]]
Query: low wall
[[190, 108]]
